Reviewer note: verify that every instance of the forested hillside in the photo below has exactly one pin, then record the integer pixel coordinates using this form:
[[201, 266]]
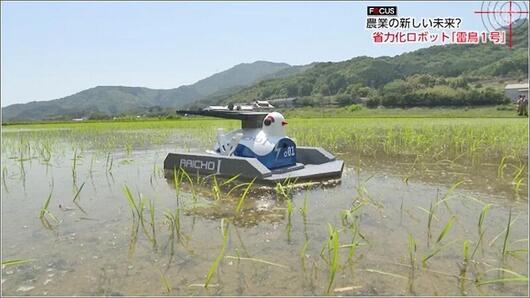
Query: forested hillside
[[434, 76]]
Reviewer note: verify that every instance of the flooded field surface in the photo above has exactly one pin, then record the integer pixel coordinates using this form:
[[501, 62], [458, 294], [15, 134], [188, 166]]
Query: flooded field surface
[[424, 207]]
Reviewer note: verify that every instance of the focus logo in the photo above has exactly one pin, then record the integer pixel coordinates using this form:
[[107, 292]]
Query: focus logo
[[381, 10]]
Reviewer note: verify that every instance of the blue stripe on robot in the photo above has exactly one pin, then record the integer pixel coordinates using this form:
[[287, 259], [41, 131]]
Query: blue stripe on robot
[[283, 154]]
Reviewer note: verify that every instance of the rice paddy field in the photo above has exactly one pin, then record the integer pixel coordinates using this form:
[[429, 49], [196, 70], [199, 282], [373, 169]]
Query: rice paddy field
[[426, 206]]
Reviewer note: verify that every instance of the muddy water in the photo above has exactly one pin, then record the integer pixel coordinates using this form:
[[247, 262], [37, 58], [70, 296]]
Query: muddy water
[[95, 251]]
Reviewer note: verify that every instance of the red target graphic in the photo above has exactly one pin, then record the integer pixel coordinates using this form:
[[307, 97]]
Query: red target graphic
[[498, 15]]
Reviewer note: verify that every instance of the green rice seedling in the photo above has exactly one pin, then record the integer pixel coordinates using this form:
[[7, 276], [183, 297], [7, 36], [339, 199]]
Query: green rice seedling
[[134, 237], [177, 180], [132, 204], [44, 209], [481, 218], [173, 218], [463, 268], [285, 188], [74, 163], [107, 162], [91, 166], [152, 221], [290, 208], [190, 181], [303, 252], [353, 243], [437, 249], [213, 267], [502, 232], [518, 177], [516, 277], [215, 189], [166, 283], [244, 195], [501, 167], [479, 242], [430, 217], [288, 227], [348, 215], [445, 229], [45, 212], [170, 221], [333, 255], [412, 257], [447, 195], [76, 196], [466, 251], [15, 262], [507, 235], [517, 252], [137, 210], [228, 181], [412, 250], [304, 208]]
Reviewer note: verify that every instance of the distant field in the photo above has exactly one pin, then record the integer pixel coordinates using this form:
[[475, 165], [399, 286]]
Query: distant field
[[473, 112], [507, 111], [391, 133]]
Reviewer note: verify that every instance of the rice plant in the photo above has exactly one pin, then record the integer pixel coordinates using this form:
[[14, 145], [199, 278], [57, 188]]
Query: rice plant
[[76, 196], [433, 252], [137, 210], [438, 247], [166, 283], [190, 181], [515, 277], [215, 264], [152, 221], [173, 219], [45, 212], [480, 225], [333, 255], [503, 231], [304, 208], [288, 227], [15, 262], [244, 195], [303, 252], [412, 258], [463, 267], [132, 204], [507, 235], [216, 189], [109, 162], [354, 228], [445, 229], [177, 180], [74, 164]]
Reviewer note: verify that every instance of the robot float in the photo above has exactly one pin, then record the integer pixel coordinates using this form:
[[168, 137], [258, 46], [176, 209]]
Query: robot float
[[260, 150]]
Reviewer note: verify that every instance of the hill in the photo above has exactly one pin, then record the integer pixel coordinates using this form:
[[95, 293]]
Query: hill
[[105, 101]]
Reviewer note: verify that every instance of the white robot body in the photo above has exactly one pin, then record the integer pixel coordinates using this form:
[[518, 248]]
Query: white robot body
[[268, 144]]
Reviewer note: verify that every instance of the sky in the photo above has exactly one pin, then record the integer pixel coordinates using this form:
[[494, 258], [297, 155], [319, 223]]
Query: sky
[[54, 49]]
